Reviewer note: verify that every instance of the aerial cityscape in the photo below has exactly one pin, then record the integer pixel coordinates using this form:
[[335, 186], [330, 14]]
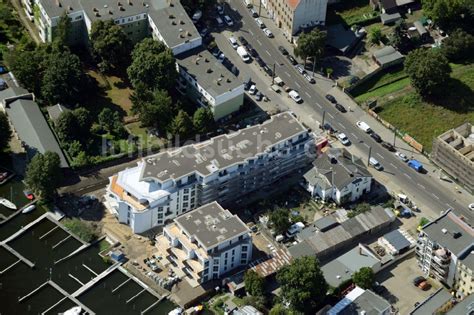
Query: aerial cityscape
[[237, 157]]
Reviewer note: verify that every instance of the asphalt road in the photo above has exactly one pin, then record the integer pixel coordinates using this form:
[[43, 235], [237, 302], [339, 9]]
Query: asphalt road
[[425, 189]]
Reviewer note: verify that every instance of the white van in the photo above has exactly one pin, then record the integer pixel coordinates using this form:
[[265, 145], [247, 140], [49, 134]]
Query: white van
[[295, 228], [248, 3], [362, 125], [243, 54], [233, 42], [375, 164], [260, 23]]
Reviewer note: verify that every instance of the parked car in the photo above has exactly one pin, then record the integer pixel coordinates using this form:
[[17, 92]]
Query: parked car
[[424, 285], [471, 206], [196, 16], [260, 23], [283, 50], [253, 89], [343, 139], [309, 78], [254, 13], [220, 9], [300, 69], [260, 62], [329, 128], [376, 137], [204, 32], [233, 42], [340, 108], [331, 98], [362, 125], [375, 164], [235, 71], [252, 51], [268, 33], [259, 96], [219, 21], [295, 96], [268, 70], [388, 146], [228, 20], [292, 59], [418, 280], [401, 156], [416, 165], [243, 41], [247, 84]]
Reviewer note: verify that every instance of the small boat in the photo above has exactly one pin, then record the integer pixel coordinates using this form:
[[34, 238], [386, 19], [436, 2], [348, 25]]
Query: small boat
[[7, 203], [28, 194], [28, 209], [176, 311], [197, 309], [76, 310]]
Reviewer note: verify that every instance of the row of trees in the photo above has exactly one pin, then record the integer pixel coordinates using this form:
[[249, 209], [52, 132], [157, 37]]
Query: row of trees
[[451, 14], [311, 45], [5, 132]]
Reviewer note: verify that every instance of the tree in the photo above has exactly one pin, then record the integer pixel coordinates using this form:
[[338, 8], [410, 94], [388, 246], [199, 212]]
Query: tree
[[311, 44], [279, 309], [66, 126], [399, 39], [302, 284], [375, 35], [27, 67], [254, 283], [84, 119], [256, 301], [5, 132], [428, 71], [110, 45], [458, 46], [43, 174], [156, 111], [182, 125], [451, 14], [82, 229], [111, 122], [280, 220], [62, 31], [203, 120], [63, 78], [153, 64], [364, 278]]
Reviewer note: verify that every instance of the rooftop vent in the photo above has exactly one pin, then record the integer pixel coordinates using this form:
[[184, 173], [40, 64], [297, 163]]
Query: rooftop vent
[[181, 22], [69, 8], [95, 10], [58, 3], [130, 2], [206, 60], [105, 6], [197, 60], [110, 12], [171, 16], [209, 70], [121, 8], [118, 3], [228, 80], [444, 231], [97, 14], [173, 23], [457, 234]]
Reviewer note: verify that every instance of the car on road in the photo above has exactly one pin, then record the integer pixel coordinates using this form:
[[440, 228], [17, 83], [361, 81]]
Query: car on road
[[329, 128], [283, 50], [471, 206], [340, 108], [343, 138], [260, 23], [220, 9], [204, 32], [243, 41], [268, 33], [221, 57], [235, 71], [243, 54], [197, 16], [228, 20], [300, 69], [251, 51], [309, 78], [219, 21], [259, 96], [376, 164], [292, 59], [295, 96], [268, 70], [260, 62], [388, 146], [247, 84], [424, 285], [253, 89], [233, 42], [254, 13], [401, 156], [376, 137], [331, 98], [362, 125]]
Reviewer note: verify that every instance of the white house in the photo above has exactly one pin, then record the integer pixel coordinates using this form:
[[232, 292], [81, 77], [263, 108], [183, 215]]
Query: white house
[[338, 175]]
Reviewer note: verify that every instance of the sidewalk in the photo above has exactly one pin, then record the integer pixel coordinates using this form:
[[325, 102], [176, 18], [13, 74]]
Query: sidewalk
[[30, 27]]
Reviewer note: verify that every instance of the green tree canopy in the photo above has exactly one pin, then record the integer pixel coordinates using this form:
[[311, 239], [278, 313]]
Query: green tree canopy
[[62, 31], [84, 119], [280, 220], [364, 278], [153, 64], [458, 46], [110, 45], [451, 14], [63, 79], [311, 44], [5, 132], [28, 67], [156, 110], [302, 284], [203, 120], [111, 121], [182, 126], [254, 283], [43, 174], [66, 126], [428, 70], [375, 35]]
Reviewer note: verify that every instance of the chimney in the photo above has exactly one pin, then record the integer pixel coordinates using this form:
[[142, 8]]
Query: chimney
[[69, 8], [121, 8], [58, 3], [110, 12], [95, 10], [129, 2]]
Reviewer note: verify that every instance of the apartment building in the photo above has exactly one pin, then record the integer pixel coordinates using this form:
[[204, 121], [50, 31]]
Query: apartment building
[[339, 176], [465, 274], [453, 151], [293, 16], [444, 248], [223, 169], [205, 243]]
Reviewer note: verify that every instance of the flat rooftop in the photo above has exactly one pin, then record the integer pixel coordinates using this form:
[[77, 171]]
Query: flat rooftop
[[461, 139], [214, 78], [222, 151], [211, 224], [443, 231]]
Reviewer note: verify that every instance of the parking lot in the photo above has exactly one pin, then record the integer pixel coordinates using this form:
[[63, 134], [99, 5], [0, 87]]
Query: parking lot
[[401, 293]]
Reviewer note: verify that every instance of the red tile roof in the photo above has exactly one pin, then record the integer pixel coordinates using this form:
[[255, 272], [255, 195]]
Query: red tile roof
[[293, 3]]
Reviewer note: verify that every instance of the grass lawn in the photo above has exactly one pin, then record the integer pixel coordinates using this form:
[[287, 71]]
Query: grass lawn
[[400, 105], [349, 12], [147, 140], [11, 30]]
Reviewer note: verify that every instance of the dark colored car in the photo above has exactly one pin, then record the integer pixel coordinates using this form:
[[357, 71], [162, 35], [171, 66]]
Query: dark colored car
[[329, 128], [235, 70], [259, 96], [331, 98], [283, 50], [340, 108], [243, 41], [388, 146], [260, 62], [251, 51], [267, 70], [376, 137], [418, 280], [247, 84], [292, 60]]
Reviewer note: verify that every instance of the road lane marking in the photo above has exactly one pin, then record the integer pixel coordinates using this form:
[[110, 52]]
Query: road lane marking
[[259, 42], [268, 53], [307, 94], [251, 33], [329, 114], [298, 85], [287, 74], [368, 146], [449, 206], [393, 165], [319, 105], [380, 156], [407, 175], [342, 126], [354, 135], [435, 196], [420, 185], [243, 22]]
